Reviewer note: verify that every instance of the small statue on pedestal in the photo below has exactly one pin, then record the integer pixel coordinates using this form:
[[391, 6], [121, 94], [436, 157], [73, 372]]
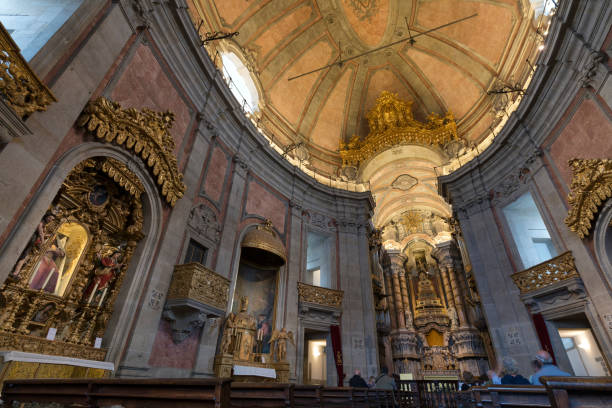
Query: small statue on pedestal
[[279, 341]]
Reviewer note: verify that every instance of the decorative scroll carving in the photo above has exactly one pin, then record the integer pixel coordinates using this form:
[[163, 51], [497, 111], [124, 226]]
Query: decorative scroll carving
[[146, 133], [123, 176], [71, 271], [203, 220], [554, 270], [591, 186], [319, 295], [19, 85], [391, 124], [195, 281]]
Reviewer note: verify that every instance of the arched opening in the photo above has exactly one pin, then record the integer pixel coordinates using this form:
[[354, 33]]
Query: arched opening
[[64, 284], [241, 82]]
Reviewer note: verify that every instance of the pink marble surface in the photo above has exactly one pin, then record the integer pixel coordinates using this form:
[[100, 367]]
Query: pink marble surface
[[144, 84], [166, 353], [586, 136], [215, 174], [263, 202]]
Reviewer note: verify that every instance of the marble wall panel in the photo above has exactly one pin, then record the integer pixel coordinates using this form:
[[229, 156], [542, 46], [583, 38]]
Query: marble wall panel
[[166, 353], [263, 202]]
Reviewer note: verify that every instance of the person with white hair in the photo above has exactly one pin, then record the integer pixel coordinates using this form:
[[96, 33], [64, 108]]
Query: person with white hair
[[511, 372], [545, 368]]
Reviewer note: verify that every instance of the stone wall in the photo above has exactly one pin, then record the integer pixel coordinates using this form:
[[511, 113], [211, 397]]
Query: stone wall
[[564, 114], [146, 54]]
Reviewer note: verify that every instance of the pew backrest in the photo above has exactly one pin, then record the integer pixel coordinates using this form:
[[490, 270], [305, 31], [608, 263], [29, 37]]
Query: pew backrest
[[511, 396], [265, 395], [129, 393], [579, 392], [307, 396]]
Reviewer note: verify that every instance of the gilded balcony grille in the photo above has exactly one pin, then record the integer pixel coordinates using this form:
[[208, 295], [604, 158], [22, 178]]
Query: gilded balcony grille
[[19, 85], [320, 296], [547, 273], [196, 282]]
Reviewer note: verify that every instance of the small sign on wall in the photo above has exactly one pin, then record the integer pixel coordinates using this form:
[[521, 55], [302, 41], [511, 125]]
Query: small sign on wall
[[513, 336]]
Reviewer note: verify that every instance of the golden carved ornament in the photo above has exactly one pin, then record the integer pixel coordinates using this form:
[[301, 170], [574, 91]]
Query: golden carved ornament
[[195, 281], [19, 85], [123, 176], [391, 124], [146, 133], [591, 186], [30, 344], [71, 271], [320, 296], [263, 246], [546, 273]]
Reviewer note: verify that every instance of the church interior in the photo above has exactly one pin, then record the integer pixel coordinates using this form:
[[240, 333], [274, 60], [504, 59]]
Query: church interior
[[287, 192]]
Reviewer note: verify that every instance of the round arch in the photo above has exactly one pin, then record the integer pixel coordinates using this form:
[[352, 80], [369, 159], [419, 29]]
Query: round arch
[[133, 284]]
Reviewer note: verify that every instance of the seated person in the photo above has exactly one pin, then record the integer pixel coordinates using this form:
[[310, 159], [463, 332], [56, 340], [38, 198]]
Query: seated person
[[511, 375], [543, 362]]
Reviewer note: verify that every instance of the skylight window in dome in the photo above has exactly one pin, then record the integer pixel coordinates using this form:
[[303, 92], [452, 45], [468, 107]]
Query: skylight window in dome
[[240, 82], [542, 7]]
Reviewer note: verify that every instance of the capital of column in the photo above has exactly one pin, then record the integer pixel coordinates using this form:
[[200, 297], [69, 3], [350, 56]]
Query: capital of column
[[397, 260]]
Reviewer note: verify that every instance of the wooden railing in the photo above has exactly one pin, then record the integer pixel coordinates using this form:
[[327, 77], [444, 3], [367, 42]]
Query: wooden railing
[[558, 392], [546, 273], [19, 85]]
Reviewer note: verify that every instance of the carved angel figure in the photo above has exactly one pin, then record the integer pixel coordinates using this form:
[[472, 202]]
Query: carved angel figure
[[279, 344], [228, 335]]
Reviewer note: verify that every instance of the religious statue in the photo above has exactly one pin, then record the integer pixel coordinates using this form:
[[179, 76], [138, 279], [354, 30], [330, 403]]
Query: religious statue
[[244, 326], [279, 341], [408, 317], [108, 266], [262, 335], [454, 319], [36, 241], [47, 271], [228, 335]]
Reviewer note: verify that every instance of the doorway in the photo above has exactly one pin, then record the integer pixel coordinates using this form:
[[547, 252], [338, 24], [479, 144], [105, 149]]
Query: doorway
[[581, 347], [315, 357]]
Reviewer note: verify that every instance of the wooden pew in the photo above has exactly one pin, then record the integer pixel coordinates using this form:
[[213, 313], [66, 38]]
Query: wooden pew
[[129, 393], [265, 395], [307, 396], [344, 397], [579, 392], [378, 398], [511, 396]]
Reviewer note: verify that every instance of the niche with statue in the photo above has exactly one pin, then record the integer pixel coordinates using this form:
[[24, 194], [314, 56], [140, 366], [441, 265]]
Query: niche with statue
[[66, 280], [251, 347]]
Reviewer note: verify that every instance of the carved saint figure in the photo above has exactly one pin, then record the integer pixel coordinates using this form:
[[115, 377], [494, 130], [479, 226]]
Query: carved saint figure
[[108, 267], [36, 241], [279, 341], [47, 271], [228, 335], [263, 335]]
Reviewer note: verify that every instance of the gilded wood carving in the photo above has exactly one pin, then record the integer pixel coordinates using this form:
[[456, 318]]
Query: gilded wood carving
[[19, 85], [591, 186], [69, 275], [554, 270], [392, 124], [195, 281], [144, 132], [319, 295]]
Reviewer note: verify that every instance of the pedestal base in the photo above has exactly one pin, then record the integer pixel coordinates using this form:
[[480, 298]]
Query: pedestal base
[[225, 362]]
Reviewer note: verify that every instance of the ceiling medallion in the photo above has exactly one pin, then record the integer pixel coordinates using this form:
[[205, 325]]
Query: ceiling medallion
[[404, 182], [364, 9], [392, 124], [412, 220]]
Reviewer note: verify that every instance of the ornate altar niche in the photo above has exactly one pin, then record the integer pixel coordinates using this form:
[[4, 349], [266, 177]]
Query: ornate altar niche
[[69, 275], [251, 349]]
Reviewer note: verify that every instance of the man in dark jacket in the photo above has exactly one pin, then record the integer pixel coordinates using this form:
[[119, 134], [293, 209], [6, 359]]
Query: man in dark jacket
[[357, 380]]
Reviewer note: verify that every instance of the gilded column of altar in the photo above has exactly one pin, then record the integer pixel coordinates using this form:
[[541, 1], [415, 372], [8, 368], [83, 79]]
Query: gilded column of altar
[[397, 297], [447, 288], [464, 291], [389, 298], [457, 293], [399, 287], [404, 290]]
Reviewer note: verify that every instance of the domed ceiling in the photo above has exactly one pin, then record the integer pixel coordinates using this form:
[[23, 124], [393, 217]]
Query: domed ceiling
[[446, 70]]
